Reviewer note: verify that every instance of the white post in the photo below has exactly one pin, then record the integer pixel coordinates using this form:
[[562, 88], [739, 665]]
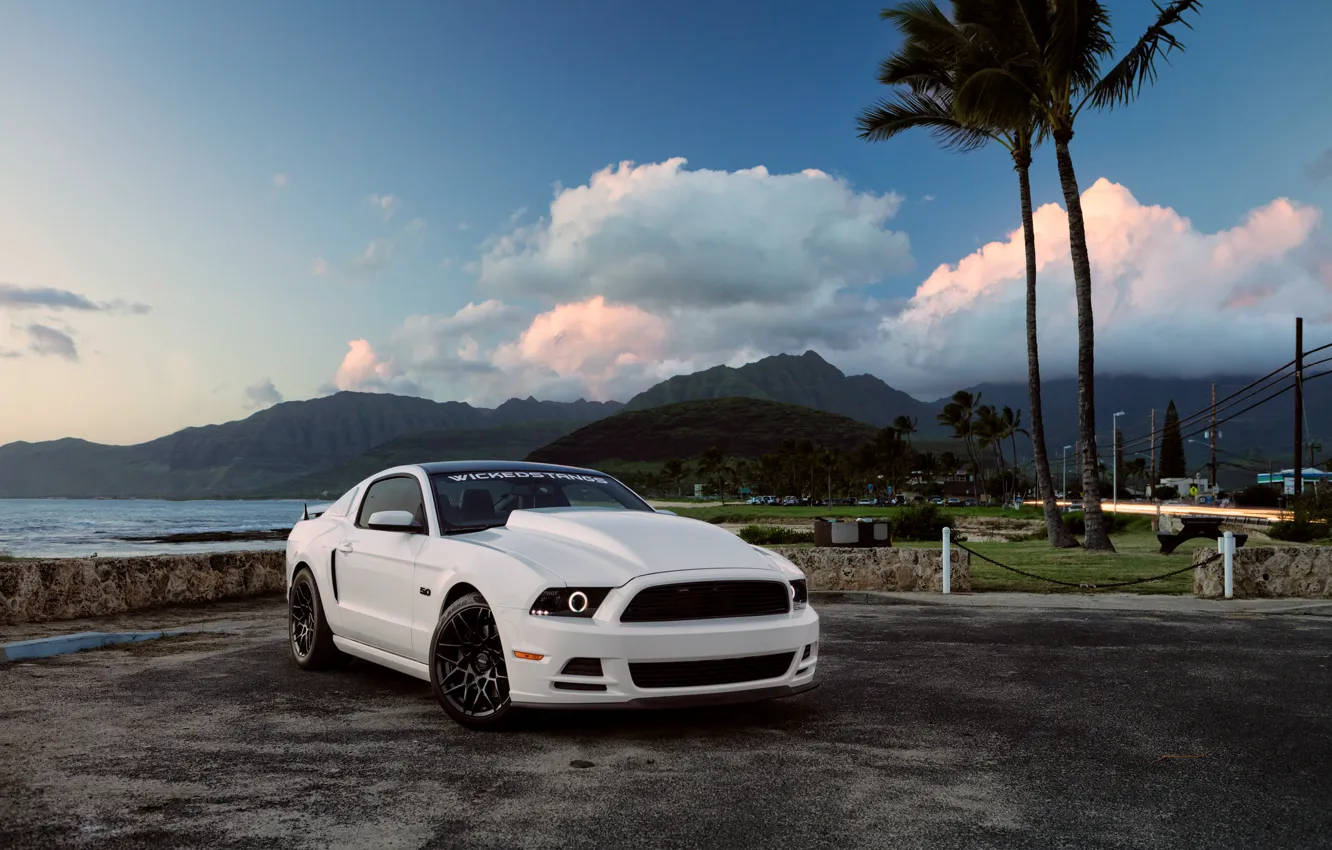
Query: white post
[[1229, 543], [947, 559]]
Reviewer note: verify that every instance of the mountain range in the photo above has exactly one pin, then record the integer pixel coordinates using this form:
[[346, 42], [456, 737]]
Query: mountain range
[[311, 447]]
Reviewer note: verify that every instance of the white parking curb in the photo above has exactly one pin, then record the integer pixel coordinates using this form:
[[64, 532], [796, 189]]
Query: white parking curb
[[62, 644]]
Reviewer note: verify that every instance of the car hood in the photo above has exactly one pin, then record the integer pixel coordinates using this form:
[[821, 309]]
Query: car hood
[[591, 547]]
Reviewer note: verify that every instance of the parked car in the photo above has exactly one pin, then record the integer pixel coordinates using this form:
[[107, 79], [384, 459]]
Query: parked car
[[954, 502], [867, 502], [519, 585]]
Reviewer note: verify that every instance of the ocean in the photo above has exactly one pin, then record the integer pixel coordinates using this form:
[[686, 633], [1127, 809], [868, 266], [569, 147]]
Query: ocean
[[77, 528]]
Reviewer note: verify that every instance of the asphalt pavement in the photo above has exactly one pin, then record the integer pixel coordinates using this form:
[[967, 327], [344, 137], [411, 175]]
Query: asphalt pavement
[[935, 727]]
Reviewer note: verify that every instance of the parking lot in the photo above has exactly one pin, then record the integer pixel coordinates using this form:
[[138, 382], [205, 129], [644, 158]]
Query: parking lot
[[934, 727]]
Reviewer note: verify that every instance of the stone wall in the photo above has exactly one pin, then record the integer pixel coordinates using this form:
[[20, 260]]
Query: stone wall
[[1267, 571], [880, 569], [35, 591]]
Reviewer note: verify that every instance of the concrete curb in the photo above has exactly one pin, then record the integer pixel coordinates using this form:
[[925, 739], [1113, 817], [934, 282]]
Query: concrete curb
[[62, 644]]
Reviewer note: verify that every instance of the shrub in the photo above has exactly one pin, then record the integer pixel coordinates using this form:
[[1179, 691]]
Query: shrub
[[1258, 496], [1076, 523], [1165, 492], [771, 535], [920, 521], [1298, 530], [5, 556]]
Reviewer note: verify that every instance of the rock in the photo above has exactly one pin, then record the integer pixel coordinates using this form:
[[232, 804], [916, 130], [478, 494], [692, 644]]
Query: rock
[[1267, 571], [879, 568], [36, 591]]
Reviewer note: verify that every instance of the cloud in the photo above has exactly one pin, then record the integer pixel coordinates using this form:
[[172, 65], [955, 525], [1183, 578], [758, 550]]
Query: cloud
[[14, 297], [662, 235], [1321, 168], [416, 227], [927, 198], [651, 271], [386, 205], [462, 225], [320, 267], [362, 370], [1167, 299], [47, 341], [376, 255], [261, 394], [281, 180]]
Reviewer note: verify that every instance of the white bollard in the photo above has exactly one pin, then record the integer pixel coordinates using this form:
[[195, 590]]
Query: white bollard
[[947, 559], [1229, 543]]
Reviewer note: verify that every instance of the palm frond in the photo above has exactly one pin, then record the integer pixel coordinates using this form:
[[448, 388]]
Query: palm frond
[[996, 97], [924, 24], [1138, 68], [909, 110], [1079, 41]]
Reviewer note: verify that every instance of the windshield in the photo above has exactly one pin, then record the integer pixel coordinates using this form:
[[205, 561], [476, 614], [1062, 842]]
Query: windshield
[[472, 500]]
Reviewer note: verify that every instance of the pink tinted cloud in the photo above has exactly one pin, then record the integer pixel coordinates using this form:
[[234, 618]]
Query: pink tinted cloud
[[362, 369]]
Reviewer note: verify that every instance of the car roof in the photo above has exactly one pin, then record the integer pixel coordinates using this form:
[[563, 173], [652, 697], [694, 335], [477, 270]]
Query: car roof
[[459, 466]]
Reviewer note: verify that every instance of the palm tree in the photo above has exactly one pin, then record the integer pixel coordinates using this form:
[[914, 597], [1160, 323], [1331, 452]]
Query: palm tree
[[673, 470], [929, 66], [1043, 58], [906, 426], [959, 414], [712, 467]]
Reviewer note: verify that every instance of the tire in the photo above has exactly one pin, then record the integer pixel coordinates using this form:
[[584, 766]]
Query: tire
[[308, 635], [468, 673]]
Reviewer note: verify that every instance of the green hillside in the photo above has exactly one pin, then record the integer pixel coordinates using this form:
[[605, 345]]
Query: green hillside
[[739, 427], [507, 442], [807, 380]]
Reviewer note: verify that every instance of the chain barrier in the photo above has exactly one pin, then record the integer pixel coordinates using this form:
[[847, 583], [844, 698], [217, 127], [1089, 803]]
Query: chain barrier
[[1083, 585]]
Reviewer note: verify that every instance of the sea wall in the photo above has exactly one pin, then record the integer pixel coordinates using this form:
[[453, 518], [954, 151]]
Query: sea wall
[[35, 591], [895, 568], [1267, 571]]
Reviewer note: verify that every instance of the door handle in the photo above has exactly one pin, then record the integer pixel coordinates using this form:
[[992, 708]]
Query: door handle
[[345, 548]]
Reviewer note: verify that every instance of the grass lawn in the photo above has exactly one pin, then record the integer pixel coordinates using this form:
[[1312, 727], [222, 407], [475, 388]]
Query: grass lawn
[[1137, 556]]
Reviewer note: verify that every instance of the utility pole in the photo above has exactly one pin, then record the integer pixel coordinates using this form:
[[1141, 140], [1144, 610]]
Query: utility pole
[[1299, 403], [1211, 482], [1151, 473]]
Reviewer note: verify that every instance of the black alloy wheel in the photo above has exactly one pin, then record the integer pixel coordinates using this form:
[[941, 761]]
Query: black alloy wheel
[[468, 672], [308, 633]]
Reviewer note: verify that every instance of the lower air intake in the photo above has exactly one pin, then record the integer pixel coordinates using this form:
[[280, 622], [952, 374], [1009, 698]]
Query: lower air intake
[[718, 671]]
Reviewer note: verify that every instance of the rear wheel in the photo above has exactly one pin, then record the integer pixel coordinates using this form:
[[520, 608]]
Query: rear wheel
[[308, 634], [468, 673]]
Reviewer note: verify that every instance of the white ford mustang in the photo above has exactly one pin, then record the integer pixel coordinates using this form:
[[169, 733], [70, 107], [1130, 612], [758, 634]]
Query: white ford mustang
[[520, 585]]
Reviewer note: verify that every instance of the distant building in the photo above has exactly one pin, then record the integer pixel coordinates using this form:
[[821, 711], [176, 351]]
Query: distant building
[[1286, 478]]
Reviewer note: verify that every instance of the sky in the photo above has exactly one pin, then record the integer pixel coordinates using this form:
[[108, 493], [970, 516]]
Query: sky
[[209, 208]]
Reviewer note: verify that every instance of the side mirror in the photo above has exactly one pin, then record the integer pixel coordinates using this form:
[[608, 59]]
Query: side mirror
[[394, 521], [664, 511]]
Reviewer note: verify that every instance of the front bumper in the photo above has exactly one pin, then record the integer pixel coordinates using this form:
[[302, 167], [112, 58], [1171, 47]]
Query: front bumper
[[617, 645]]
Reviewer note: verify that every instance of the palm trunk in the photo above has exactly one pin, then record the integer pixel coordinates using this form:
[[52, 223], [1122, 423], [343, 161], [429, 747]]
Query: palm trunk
[[1055, 529], [1097, 536]]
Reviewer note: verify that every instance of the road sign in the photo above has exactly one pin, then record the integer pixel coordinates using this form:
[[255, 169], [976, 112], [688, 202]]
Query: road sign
[[1193, 489]]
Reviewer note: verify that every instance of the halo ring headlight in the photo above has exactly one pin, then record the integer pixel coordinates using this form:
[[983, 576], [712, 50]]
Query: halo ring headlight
[[578, 602]]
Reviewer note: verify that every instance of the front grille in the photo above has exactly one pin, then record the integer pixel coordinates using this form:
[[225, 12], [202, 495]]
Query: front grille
[[720, 671], [705, 600]]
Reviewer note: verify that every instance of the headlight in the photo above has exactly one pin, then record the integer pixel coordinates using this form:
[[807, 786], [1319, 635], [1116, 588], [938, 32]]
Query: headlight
[[799, 594], [569, 601]]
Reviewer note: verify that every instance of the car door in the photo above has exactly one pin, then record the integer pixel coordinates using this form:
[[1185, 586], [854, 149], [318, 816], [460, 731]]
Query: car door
[[375, 567]]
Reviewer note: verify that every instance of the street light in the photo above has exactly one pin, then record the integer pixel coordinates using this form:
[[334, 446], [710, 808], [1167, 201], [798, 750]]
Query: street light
[[1114, 426], [1064, 474]]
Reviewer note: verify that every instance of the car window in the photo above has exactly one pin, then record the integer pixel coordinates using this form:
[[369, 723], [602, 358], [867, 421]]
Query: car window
[[483, 499], [401, 493]]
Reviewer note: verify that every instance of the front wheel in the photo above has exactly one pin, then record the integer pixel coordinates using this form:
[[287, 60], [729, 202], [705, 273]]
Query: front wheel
[[308, 634], [467, 670]]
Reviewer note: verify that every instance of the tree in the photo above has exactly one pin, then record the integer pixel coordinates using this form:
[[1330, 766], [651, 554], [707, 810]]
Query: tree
[[1043, 58], [906, 426], [1173, 464], [712, 466], [673, 471], [934, 59], [959, 414]]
